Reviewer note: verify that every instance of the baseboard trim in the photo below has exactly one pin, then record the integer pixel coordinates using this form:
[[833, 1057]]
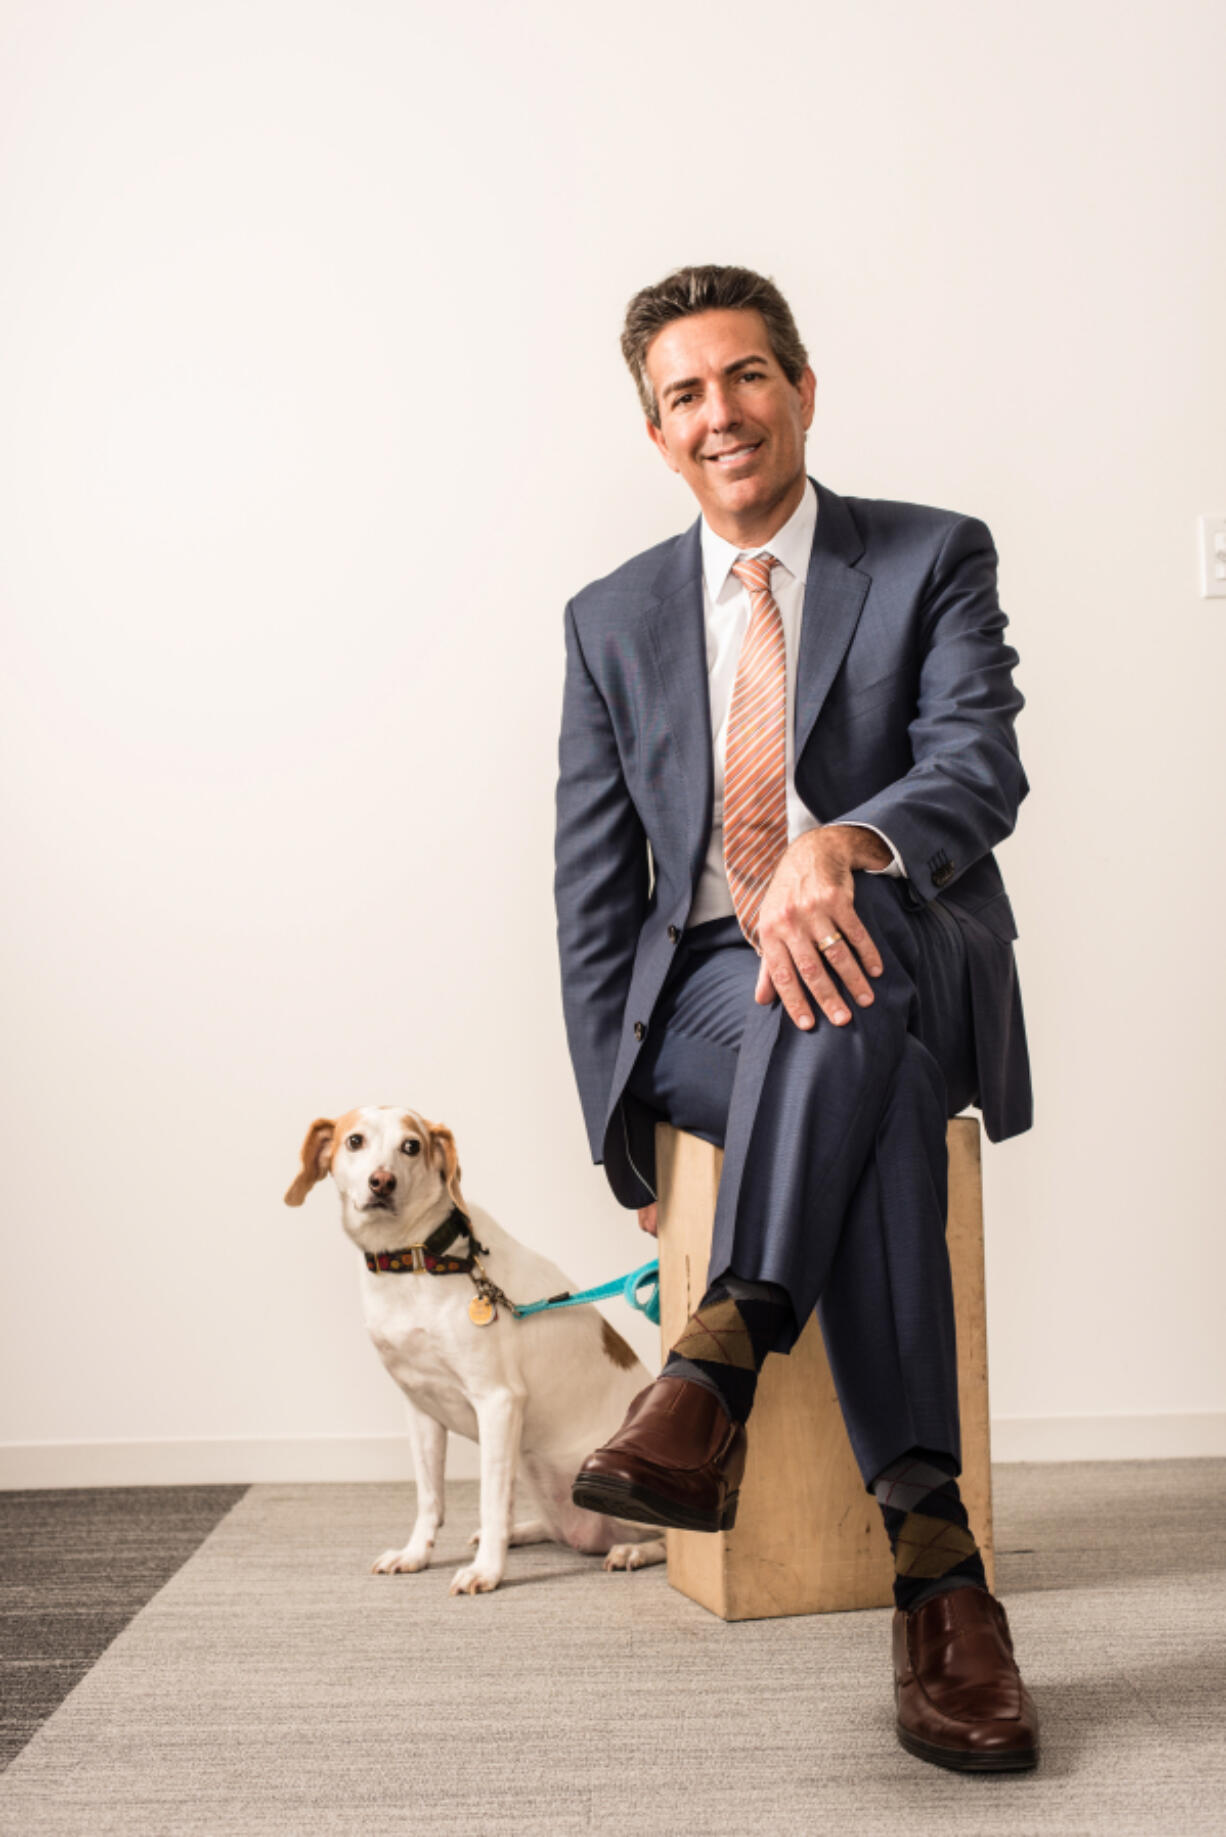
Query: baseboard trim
[[291, 1458], [332, 1458], [1199, 1434]]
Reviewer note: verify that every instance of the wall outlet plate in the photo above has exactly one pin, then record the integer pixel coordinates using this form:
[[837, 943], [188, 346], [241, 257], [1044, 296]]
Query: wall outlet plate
[[1211, 541]]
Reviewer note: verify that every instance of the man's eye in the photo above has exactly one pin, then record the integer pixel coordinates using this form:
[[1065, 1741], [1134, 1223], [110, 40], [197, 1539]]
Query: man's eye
[[752, 376], [410, 1146], [354, 1141]]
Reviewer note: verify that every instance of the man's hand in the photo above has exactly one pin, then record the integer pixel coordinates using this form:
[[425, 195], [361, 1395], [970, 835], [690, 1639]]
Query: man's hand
[[809, 898], [647, 1219]]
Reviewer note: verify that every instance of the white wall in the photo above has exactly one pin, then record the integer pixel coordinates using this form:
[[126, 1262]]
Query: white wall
[[315, 417]]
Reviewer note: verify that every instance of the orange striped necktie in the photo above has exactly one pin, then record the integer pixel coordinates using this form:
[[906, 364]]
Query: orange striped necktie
[[755, 756]]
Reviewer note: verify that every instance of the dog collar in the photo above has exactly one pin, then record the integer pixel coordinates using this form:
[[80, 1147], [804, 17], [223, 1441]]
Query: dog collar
[[428, 1255]]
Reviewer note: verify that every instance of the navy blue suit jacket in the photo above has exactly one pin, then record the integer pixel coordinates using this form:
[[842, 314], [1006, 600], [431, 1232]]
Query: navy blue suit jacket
[[904, 709]]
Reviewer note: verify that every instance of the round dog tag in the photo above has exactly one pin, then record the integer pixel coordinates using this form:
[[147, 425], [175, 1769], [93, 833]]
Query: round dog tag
[[481, 1310]]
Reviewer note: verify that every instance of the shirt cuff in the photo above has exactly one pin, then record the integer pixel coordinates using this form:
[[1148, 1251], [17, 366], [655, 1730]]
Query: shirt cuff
[[895, 868]]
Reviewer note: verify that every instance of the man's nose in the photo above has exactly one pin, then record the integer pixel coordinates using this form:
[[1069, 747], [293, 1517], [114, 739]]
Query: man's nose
[[721, 408], [382, 1183]]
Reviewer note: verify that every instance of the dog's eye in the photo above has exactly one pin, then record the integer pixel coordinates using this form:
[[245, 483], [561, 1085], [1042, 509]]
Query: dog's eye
[[353, 1141], [410, 1146]]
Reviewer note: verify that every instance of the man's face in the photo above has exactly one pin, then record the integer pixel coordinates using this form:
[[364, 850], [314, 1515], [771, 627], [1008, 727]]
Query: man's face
[[730, 422]]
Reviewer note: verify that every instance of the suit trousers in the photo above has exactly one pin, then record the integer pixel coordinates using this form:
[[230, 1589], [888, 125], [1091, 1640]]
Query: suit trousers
[[835, 1170]]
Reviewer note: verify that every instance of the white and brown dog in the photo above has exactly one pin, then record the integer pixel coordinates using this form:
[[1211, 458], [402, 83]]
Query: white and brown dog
[[537, 1393]]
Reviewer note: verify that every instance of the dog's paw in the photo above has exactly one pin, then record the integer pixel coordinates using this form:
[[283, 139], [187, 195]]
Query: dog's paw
[[402, 1562], [637, 1556], [474, 1580]]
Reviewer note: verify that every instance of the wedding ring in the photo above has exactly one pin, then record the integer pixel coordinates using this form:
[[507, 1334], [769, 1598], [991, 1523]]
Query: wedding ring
[[836, 937]]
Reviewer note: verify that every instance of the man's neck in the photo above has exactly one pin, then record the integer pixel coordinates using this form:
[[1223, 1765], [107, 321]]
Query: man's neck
[[756, 529]]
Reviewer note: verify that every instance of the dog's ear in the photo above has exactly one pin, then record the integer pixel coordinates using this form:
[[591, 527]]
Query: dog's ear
[[443, 1155], [316, 1153]]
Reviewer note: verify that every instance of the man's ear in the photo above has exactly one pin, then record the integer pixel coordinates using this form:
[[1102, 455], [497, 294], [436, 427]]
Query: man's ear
[[808, 393], [658, 441], [443, 1156], [316, 1153]]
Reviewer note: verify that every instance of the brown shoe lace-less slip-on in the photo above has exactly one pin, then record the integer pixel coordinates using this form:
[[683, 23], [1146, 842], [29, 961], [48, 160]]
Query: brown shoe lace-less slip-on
[[961, 1700], [677, 1460]]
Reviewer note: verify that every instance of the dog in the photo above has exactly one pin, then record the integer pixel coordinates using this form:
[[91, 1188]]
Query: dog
[[536, 1393]]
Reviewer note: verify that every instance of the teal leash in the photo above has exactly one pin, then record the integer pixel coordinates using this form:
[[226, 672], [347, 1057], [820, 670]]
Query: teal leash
[[648, 1278]]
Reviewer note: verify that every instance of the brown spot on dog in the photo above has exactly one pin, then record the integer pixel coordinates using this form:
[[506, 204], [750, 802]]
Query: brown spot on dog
[[614, 1346], [417, 1125], [441, 1148], [344, 1125]]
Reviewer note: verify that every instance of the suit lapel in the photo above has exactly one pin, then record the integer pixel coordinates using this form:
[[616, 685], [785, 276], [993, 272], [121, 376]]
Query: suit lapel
[[677, 629], [834, 597]]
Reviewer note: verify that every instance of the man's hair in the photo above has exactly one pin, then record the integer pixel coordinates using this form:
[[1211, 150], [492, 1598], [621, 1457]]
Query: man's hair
[[704, 290]]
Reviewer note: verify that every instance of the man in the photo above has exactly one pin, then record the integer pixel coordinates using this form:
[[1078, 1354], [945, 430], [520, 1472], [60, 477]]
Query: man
[[787, 752]]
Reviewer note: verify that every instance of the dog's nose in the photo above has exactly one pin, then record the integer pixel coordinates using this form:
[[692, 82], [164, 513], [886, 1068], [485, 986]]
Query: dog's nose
[[382, 1183]]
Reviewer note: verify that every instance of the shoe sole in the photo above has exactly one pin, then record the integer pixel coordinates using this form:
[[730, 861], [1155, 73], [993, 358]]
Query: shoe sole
[[1016, 1760], [623, 1499]]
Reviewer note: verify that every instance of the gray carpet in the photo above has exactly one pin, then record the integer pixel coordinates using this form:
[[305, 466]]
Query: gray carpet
[[274, 1686], [75, 1566]]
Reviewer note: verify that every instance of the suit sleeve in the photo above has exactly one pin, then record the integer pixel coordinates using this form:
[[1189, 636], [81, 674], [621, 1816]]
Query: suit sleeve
[[961, 796], [601, 885]]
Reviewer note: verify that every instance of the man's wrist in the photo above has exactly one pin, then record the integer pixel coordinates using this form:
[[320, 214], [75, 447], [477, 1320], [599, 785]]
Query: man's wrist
[[856, 845]]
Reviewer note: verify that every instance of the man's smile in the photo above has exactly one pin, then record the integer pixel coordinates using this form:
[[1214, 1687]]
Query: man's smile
[[732, 456]]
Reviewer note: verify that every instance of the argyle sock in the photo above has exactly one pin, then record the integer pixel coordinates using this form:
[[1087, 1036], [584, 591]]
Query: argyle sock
[[728, 1336], [927, 1526]]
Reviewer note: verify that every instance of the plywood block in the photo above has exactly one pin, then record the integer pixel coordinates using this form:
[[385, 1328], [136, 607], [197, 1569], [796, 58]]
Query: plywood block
[[808, 1538]]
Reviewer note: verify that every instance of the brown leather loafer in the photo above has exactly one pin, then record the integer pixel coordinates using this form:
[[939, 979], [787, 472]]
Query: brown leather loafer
[[961, 1700], [677, 1460]]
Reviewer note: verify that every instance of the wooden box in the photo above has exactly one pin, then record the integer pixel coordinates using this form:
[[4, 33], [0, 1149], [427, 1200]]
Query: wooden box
[[808, 1538]]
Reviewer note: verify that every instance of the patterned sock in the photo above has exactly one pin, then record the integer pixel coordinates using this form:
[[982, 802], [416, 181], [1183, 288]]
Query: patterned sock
[[728, 1336], [927, 1526]]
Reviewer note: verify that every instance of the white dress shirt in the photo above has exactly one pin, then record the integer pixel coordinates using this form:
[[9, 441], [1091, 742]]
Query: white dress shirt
[[726, 610]]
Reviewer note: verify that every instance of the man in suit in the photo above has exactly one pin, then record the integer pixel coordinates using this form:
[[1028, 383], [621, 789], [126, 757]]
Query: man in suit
[[787, 752]]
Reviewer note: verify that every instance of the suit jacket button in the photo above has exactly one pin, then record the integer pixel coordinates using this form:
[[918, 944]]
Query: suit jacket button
[[673, 934], [639, 1030], [942, 874]]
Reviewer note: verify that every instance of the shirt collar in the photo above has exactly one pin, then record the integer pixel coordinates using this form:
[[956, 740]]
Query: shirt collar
[[790, 545]]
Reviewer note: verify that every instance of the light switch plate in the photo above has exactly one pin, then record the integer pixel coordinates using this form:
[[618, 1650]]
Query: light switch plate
[[1212, 544]]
